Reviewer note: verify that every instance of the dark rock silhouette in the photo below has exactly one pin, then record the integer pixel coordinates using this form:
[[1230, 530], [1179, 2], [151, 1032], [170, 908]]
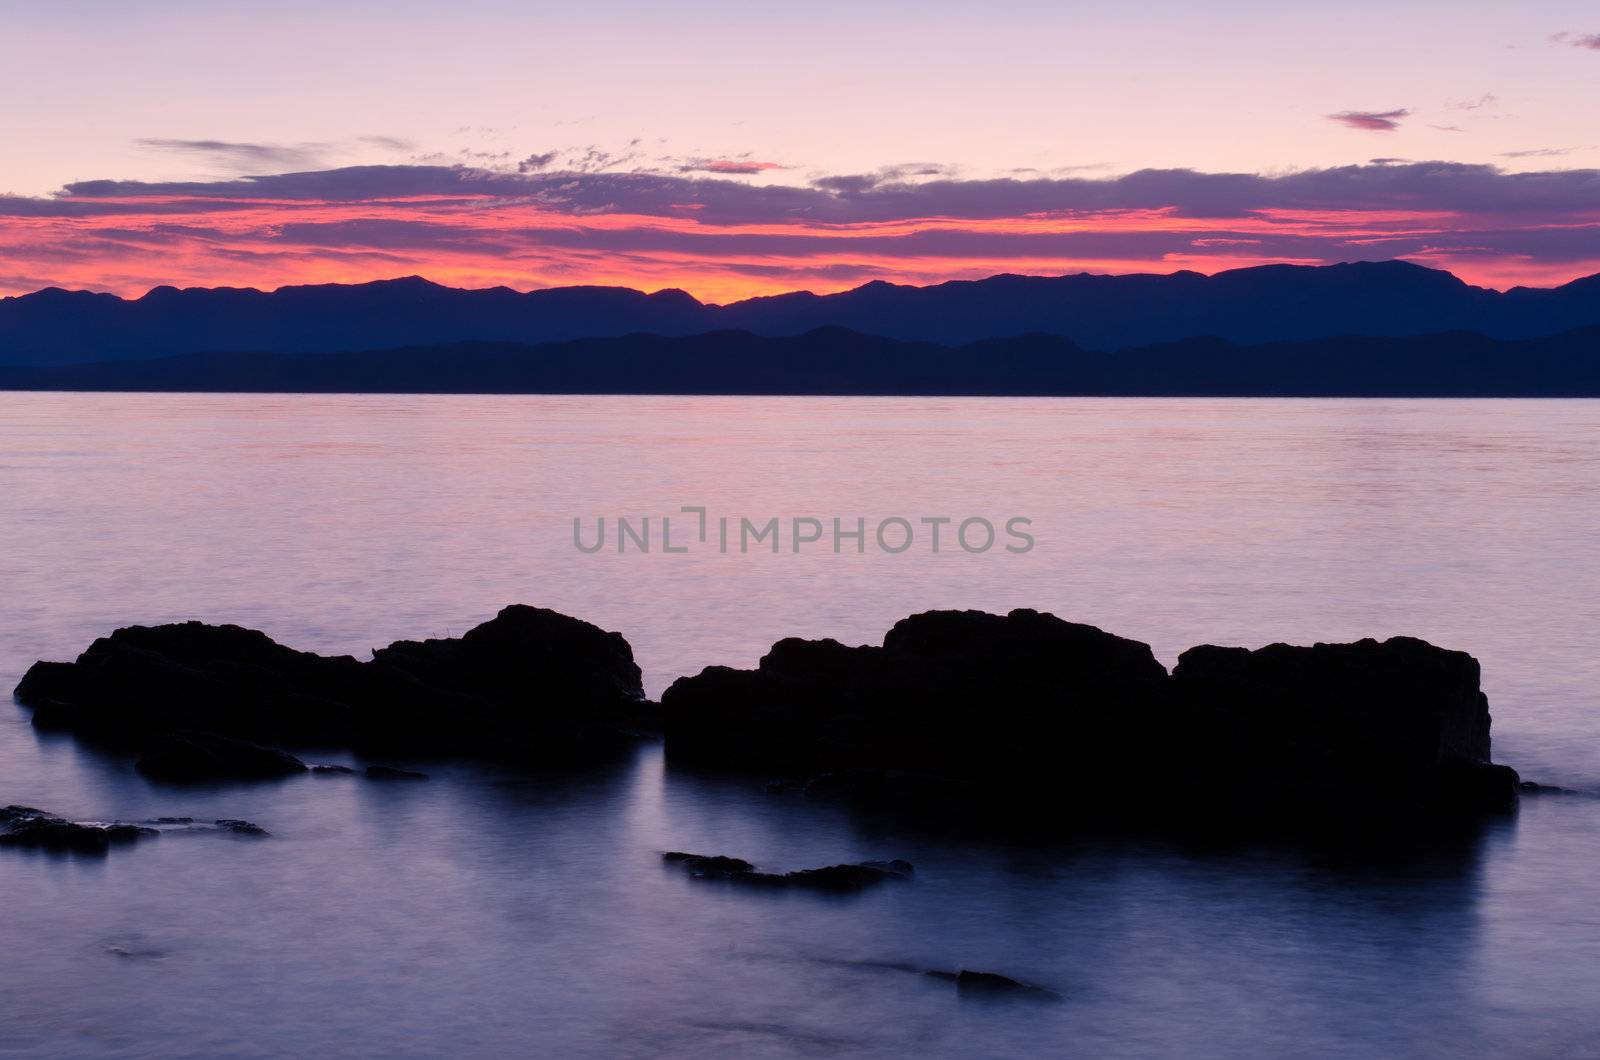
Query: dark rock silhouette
[[530, 687], [707, 863], [1263, 304], [245, 828], [1027, 720], [1060, 710], [391, 773], [198, 757], [841, 879], [840, 361], [992, 983], [333, 771], [24, 826], [1342, 729]]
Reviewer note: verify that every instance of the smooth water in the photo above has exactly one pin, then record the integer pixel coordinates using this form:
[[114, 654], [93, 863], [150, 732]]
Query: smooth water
[[484, 913]]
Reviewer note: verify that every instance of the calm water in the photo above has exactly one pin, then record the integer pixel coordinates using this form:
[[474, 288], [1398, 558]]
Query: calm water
[[483, 913]]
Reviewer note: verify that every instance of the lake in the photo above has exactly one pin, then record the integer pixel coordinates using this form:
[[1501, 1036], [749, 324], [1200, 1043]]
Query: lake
[[485, 913]]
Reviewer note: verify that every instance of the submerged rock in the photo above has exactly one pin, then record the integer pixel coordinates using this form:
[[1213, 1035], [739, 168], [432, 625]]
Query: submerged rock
[[1025, 720], [197, 757], [837, 878], [246, 828], [992, 983], [530, 686], [391, 773], [25, 826], [702, 863]]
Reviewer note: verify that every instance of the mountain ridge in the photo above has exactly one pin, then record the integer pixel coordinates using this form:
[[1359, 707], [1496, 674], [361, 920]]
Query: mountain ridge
[[1260, 304]]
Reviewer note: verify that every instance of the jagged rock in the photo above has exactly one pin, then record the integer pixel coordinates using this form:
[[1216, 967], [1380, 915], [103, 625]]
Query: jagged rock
[[837, 878], [25, 826], [703, 863], [530, 686], [391, 773], [237, 827], [199, 757]]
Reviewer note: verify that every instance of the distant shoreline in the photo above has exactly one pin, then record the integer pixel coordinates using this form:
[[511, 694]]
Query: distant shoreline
[[837, 362]]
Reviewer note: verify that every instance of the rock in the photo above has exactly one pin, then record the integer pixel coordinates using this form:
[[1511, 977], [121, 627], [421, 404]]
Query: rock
[[991, 983], [245, 828], [1028, 721], [841, 878], [1366, 733], [530, 687], [391, 773], [199, 757], [1531, 787], [25, 826], [837, 878], [955, 695], [702, 863], [333, 771]]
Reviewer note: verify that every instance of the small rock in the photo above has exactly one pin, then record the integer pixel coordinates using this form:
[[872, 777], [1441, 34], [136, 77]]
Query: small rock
[[241, 827], [701, 863], [1530, 787], [990, 983], [25, 826], [836, 878]]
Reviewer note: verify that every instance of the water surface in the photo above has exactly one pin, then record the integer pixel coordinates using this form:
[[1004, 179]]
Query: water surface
[[483, 913]]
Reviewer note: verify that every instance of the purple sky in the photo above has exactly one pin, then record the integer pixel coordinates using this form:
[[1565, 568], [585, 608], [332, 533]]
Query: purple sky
[[736, 148]]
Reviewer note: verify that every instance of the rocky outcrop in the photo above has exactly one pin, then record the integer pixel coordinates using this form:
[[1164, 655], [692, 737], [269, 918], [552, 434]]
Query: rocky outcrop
[[950, 696], [530, 686], [1349, 731], [1025, 719], [24, 826]]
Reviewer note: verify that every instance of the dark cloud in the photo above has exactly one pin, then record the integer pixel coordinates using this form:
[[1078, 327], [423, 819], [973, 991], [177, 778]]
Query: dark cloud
[[1371, 120], [1590, 41], [241, 155], [535, 162], [863, 198], [245, 156]]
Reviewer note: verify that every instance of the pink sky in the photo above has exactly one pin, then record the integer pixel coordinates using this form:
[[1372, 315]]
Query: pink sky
[[734, 149]]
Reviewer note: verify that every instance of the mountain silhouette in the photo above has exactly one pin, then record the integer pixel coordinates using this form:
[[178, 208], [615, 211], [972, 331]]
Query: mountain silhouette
[[1266, 304], [840, 361]]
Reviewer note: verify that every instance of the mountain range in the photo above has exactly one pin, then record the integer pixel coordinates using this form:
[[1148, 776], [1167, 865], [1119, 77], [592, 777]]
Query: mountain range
[[840, 361], [1267, 304]]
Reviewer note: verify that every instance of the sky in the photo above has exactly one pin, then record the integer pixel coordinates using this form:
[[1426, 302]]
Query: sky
[[733, 149]]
